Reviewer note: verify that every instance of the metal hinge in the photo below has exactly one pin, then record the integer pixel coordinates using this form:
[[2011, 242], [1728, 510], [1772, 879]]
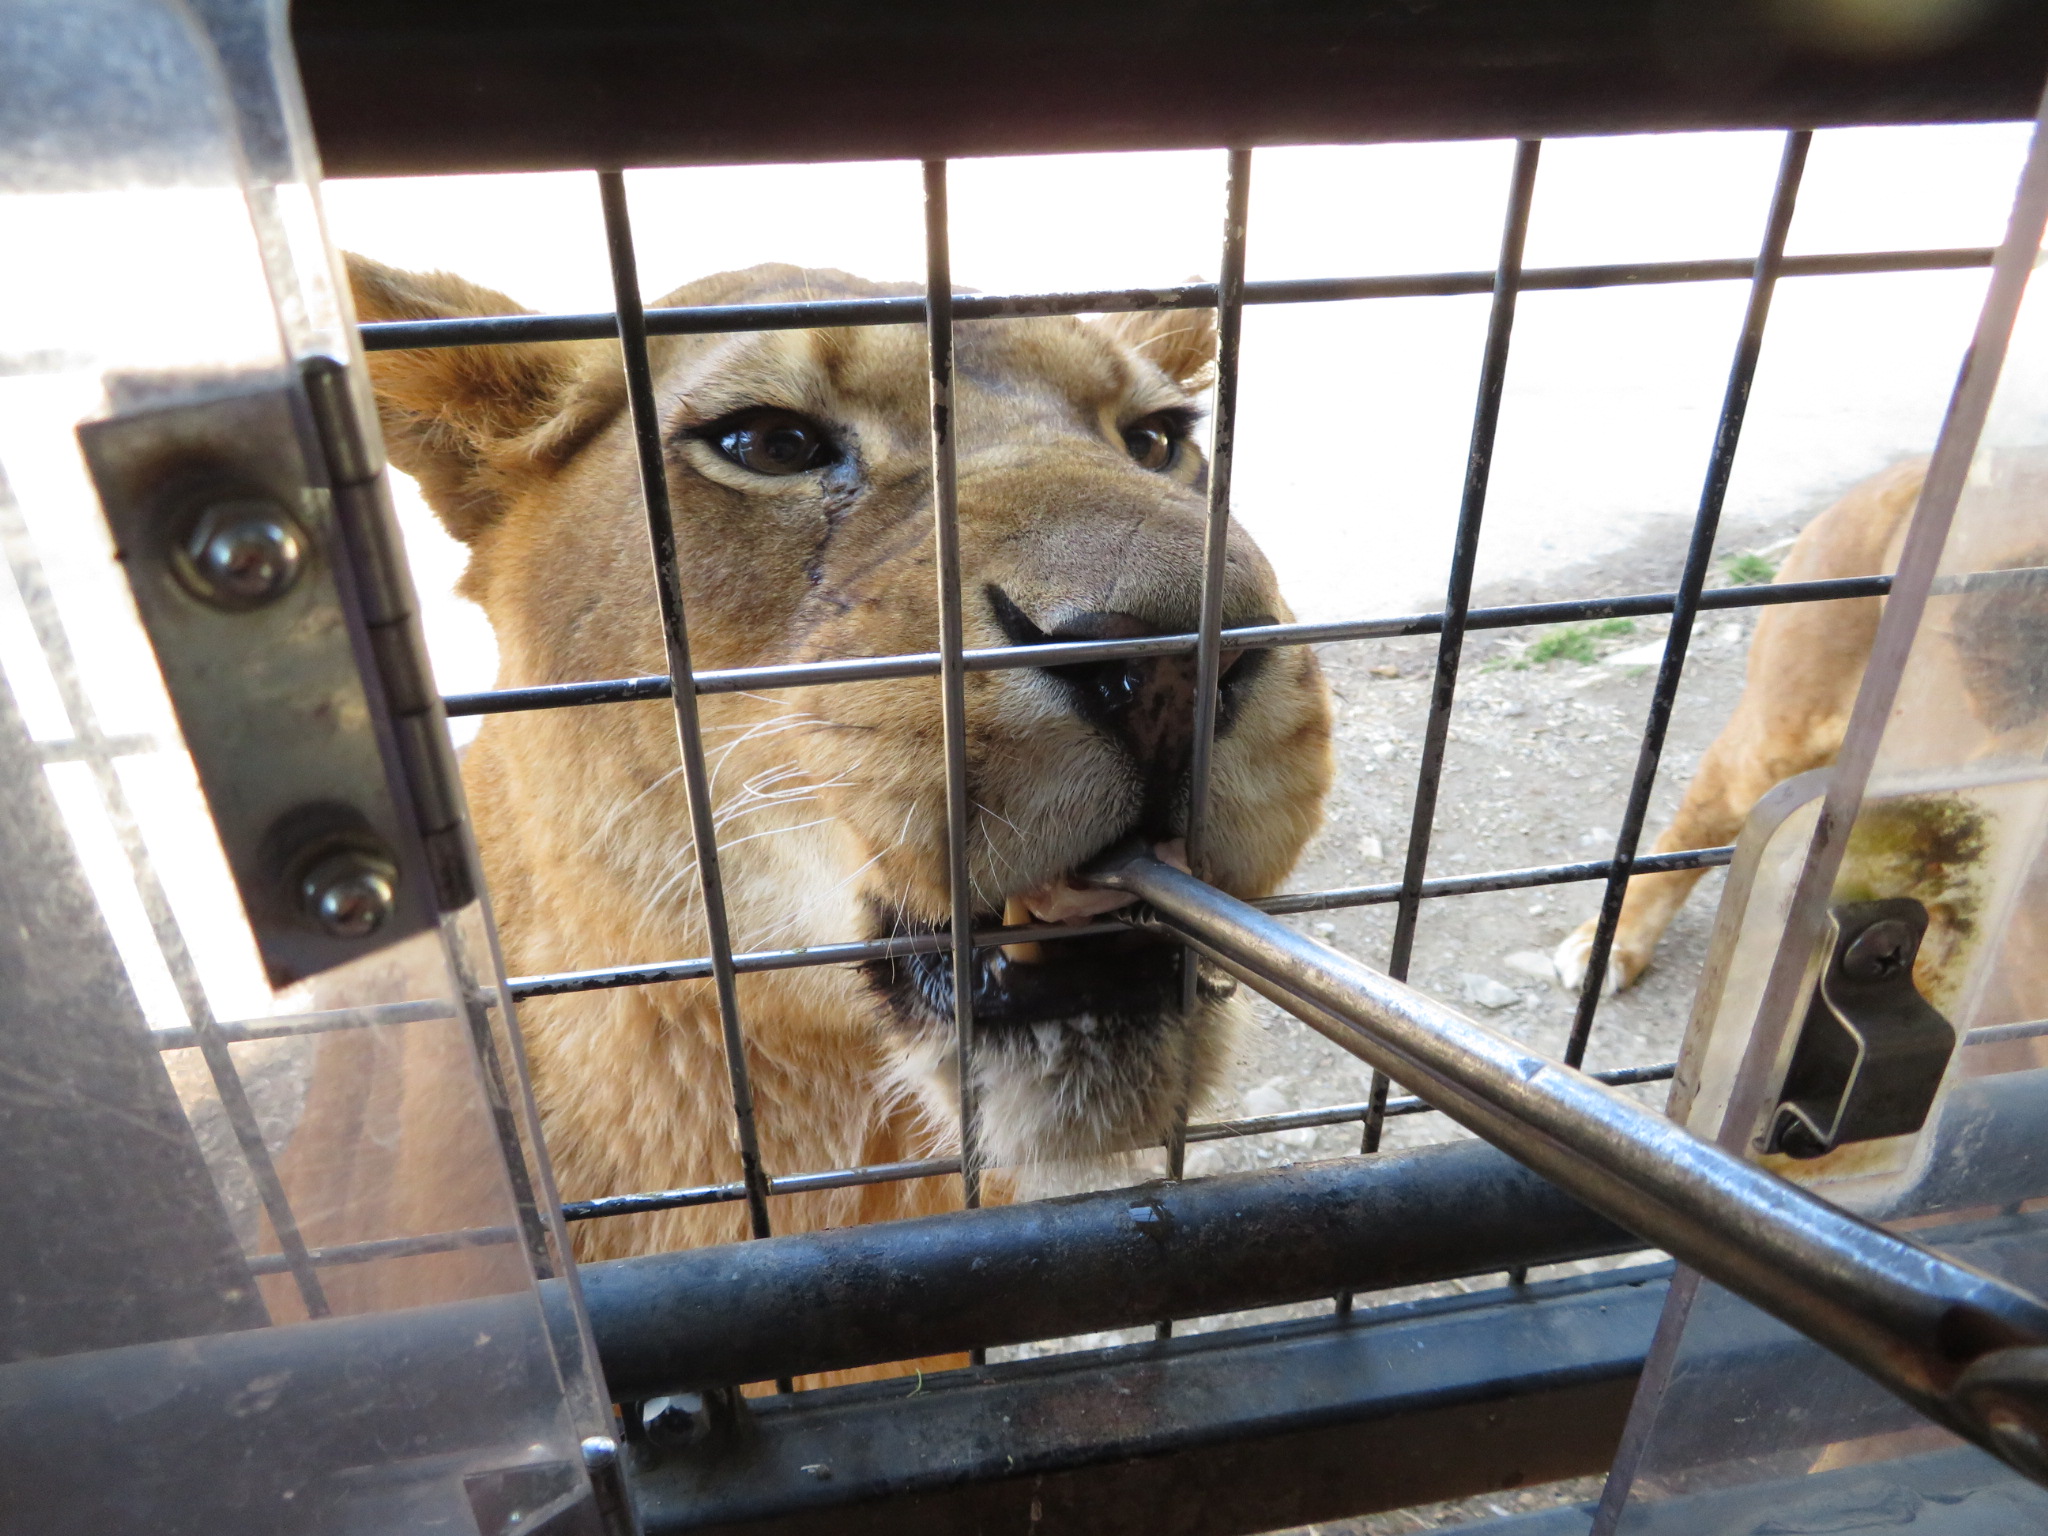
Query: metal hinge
[[1872, 1051], [257, 536]]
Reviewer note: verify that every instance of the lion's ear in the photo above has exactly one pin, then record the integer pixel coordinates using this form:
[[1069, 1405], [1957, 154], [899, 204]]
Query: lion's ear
[[470, 423], [1181, 343]]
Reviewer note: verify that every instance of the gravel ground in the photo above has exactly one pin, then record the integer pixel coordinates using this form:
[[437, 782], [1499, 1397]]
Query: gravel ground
[[1537, 772]]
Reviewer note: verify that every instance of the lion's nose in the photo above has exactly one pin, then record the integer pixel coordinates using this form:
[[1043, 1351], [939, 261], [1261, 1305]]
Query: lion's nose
[[1145, 703]]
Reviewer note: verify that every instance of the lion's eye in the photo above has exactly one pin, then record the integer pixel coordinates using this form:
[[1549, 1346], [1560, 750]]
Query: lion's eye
[[1154, 441], [773, 442]]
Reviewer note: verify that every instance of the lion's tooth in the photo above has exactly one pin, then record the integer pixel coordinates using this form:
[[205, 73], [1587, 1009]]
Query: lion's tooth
[[1016, 913]]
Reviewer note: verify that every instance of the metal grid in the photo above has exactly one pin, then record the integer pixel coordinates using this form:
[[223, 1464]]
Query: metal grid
[[937, 311]]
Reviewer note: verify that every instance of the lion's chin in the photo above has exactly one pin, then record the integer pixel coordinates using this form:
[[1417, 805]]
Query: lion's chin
[[1080, 1053]]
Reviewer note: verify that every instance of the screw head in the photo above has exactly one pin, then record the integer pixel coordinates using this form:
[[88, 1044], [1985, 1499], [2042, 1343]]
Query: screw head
[[350, 894], [242, 553], [1880, 951]]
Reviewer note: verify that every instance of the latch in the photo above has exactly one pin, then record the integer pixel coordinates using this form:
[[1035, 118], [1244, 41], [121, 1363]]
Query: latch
[[1871, 1054]]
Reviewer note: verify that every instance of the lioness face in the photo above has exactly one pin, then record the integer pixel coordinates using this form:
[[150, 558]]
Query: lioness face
[[799, 465]]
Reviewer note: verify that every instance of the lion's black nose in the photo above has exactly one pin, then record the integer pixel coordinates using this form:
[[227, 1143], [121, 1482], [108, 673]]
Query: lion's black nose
[[1145, 703]]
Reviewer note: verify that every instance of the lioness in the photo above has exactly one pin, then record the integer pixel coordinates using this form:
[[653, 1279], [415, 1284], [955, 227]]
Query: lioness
[[1971, 695], [799, 466], [1805, 664]]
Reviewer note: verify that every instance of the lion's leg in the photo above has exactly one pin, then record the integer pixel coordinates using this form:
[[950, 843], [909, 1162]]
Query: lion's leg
[[1805, 666], [1717, 800], [1785, 723]]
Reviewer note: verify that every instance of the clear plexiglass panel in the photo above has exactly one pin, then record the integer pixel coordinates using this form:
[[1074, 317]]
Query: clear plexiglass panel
[[278, 1259], [1742, 1426]]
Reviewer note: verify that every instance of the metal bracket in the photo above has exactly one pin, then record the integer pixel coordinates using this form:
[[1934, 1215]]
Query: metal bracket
[[250, 530], [1872, 1051]]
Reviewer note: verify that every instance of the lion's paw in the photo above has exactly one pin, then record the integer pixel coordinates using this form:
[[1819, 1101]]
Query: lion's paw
[[1570, 959]]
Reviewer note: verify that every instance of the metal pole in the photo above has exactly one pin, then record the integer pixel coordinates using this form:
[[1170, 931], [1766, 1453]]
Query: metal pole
[[1216, 538], [1685, 607], [1911, 1319], [814, 314], [1215, 553], [865, 669], [1493, 372]]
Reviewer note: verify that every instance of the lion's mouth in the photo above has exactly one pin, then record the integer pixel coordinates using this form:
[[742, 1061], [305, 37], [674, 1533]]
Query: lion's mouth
[[1103, 978], [1094, 981]]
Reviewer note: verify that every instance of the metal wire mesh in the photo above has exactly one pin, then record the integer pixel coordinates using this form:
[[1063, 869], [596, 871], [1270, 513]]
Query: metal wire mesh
[[938, 311]]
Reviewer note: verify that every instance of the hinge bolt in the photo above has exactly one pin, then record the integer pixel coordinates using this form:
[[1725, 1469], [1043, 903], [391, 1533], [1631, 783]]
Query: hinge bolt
[[350, 894], [1883, 949], [242, 554]]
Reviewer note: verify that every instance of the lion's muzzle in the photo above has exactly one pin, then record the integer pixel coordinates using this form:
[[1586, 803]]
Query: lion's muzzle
[[1145, 704]]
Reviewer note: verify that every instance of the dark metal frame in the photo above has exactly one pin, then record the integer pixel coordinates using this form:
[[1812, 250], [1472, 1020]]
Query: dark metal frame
[[854, 1296], [1206, 1435], [397, 87]]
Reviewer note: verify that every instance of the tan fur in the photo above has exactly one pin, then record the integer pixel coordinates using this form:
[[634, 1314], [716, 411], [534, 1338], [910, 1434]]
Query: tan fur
[[1973, 690], [1805, 664], [830, 799]]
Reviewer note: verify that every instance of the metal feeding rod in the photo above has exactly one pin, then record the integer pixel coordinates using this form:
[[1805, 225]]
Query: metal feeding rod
[[1964, 1348]]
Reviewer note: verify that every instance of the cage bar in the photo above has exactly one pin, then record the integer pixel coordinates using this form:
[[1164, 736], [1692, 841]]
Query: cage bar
[[661, 537], [812, 314], [952, 648], [857, 669], [179, 1037], [1699, 554], [1493, 371], [1230, 284]]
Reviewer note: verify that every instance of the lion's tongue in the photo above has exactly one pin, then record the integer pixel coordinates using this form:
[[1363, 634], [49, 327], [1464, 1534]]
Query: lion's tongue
[[1067, 900]]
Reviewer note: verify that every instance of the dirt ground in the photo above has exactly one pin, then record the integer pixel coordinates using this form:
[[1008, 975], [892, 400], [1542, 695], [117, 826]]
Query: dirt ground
[[1537, 772]]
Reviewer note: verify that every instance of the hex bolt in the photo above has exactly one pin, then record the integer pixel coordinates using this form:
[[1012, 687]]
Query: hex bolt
[[242, 553], [1882, 950], [350, 894]]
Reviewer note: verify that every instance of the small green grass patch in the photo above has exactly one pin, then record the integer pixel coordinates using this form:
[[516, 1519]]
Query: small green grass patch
[[1749, 570], [1574, 642]]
